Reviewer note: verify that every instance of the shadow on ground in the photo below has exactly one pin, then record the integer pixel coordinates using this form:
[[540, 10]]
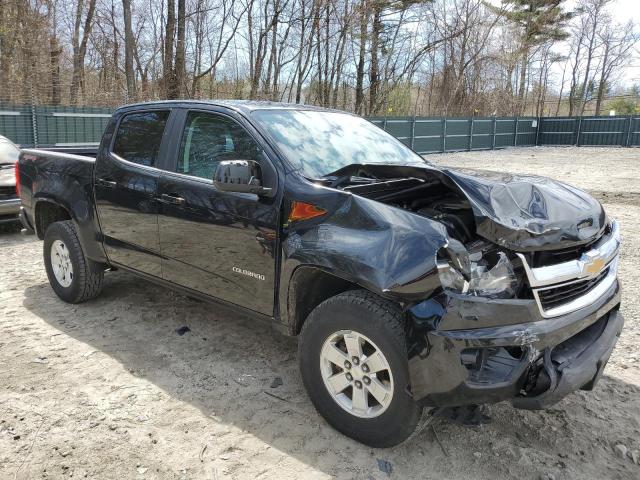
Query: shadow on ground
[[226, 363]]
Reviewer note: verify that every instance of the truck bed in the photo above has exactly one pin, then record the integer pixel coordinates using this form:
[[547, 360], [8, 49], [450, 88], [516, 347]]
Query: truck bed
[[81, 151]]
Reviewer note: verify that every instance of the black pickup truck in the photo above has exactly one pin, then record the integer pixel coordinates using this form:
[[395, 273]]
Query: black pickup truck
[[409, 285]]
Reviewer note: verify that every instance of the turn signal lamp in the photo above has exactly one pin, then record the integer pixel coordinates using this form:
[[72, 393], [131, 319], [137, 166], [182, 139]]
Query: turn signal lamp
[[304, 211]]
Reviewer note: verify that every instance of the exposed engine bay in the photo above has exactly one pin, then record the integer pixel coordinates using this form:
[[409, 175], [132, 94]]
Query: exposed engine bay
[[492, 219], [430, 199], [480, 266], [519, 212]]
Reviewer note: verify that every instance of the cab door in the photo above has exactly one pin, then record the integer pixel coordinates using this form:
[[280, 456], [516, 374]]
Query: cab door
[[126, 186], [218, 243]]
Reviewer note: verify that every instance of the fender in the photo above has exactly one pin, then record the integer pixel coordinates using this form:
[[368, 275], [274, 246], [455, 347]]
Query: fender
[[386, 250]]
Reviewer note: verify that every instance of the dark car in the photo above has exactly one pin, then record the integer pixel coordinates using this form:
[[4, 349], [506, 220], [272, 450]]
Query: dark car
[[409, 285], [9, 200]]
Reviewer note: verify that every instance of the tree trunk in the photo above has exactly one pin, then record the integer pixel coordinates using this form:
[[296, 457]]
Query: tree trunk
[[564, 70], [364, 19], [299, 73], [179, 64], [54, 56], [128, 50], [522, 82], [374, 74], [602, 83], [167, 64], [5, 61], [327, 85], [80, 48], [115, 57], [273, 53]]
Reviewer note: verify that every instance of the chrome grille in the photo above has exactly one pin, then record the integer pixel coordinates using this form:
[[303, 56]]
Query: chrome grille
[[550, 257], [564, 287], [553, 297]]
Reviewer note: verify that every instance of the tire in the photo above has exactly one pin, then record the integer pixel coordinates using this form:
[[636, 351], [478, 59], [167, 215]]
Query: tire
[[364, 314], [82, 281]]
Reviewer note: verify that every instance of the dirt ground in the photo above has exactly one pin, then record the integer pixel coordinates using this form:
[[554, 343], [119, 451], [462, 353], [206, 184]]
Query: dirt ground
[[109, 390]]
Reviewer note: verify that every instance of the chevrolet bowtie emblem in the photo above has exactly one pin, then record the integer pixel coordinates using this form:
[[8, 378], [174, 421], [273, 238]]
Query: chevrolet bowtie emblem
[[593, 266]]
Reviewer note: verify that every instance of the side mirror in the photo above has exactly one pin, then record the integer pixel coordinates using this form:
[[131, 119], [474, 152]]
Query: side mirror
[[242, 176]]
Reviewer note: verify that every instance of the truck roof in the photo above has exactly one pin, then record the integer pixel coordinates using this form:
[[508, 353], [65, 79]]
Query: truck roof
[[245, 106]]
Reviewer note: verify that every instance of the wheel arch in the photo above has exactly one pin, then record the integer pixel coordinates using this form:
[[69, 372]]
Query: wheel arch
[[48, 211], [308, 287]]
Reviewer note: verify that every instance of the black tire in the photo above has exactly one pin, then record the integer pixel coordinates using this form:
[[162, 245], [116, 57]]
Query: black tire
[[86, 282], [381, 321]]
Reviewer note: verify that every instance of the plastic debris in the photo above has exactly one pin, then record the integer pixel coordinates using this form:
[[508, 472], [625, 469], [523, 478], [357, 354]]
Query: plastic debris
[[182, 330]]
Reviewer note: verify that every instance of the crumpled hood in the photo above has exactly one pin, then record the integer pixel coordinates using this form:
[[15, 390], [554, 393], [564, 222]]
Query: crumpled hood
[[519, 212], [527, 212]]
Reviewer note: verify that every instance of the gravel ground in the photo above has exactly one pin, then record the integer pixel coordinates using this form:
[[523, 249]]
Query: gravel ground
[[109, 390]]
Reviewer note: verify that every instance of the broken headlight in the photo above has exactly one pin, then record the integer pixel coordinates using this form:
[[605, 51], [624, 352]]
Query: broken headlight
[[483, 271]]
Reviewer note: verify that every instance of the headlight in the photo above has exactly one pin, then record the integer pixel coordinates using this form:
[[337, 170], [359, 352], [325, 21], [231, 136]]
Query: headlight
[[483, 272]]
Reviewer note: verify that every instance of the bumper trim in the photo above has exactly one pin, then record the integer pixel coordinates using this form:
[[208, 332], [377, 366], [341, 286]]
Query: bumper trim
[[444, 328], [10, 207], [581, 372]]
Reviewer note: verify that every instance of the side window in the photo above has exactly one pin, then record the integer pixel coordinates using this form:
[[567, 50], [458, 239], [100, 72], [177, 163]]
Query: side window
[[139, 136], [208, 139]]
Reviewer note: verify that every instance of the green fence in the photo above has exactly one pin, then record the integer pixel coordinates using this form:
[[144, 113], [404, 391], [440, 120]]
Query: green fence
[[439, 134], [590, 131], [44, 126], [53, 126]]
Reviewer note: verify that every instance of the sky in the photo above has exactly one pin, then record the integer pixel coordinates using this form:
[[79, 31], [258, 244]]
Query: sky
[[622, 11]]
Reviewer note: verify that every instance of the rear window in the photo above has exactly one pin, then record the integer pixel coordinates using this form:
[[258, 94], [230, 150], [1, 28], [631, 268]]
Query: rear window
[[139, 136]]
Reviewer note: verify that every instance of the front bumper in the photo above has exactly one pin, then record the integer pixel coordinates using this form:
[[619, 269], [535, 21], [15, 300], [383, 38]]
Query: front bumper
[[470, 350], [9, 210]]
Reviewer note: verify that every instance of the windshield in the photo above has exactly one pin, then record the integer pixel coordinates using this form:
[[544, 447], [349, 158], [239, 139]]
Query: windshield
[[322, 142]]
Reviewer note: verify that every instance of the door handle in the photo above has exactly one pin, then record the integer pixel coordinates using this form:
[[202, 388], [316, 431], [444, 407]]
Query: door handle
[[106, 183], [174, 200]]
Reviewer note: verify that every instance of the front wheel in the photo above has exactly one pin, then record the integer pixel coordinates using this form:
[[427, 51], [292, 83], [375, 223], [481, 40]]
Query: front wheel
[[353, 361], [70, 273]]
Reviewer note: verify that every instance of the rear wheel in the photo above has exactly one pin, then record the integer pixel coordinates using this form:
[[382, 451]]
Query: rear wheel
[[71, 275], [354, 366]]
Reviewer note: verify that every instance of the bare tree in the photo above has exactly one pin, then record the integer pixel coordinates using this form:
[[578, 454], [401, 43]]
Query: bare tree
[[618, 42], [453, 57], [81, 32], [128, 49]]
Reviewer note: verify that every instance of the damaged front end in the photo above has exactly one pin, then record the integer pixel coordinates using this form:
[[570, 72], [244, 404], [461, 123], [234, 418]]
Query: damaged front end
[[525, 326], [466, 351], [509, 283]]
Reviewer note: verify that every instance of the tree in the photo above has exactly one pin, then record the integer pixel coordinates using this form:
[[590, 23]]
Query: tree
[[80, 39], [362, 51], [594, 10], [423, 57], [623, 106], [537, 21], [128, 49], [168, 72], [618, 42]]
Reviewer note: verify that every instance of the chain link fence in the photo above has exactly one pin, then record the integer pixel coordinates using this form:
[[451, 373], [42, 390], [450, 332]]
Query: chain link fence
[[60, 126]]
